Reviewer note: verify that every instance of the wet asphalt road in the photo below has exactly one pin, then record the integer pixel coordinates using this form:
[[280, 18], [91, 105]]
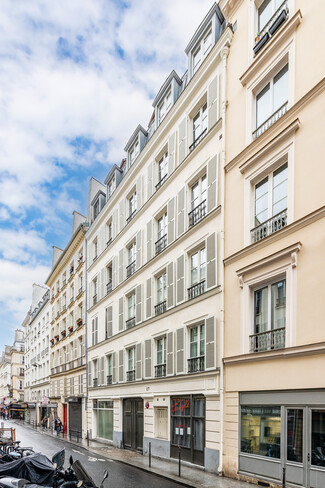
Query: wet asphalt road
[[120, 475]]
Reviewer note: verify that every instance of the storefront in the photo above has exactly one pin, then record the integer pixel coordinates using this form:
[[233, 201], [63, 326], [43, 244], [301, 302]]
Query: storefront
[[283, 431], [74, 417], [103, 411], [30, 413], [17, 410]]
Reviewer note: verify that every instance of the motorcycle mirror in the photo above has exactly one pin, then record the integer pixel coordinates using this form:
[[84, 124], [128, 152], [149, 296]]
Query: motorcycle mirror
[[71, 460], [54, 465], [104, 478], [79, 484]]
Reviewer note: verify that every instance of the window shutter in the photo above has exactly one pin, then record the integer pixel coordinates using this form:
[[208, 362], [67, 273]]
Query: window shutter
[[90, 366], [171, 153], [171, 220], [180, 283], [149, 239], [114, 272], [212, 183], [150, 179], [211, 261], [109, 321], [139, 192], [114, 223], [180, 350], [148, 298], [138, 315], [88, 260], [139, 249], [102, 243], [138, 367], [89, 295], [102, 284], [170, 354], [213, 111], [181, 212], [210, 344], [147, 359], [182, 149], [170, 285], [101, 372], [121, 366], [96, 330], [120, 313], [120, 265], [113, 367], [122, 214]]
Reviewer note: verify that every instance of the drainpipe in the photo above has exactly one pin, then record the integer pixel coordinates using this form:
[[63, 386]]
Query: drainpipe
[[84, 228], [224, 55]]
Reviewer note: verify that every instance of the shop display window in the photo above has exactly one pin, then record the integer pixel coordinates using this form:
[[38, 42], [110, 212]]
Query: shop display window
[[261, 431]]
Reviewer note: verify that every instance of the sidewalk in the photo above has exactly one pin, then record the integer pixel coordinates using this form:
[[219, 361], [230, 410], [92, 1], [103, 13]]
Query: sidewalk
[[166, 468]]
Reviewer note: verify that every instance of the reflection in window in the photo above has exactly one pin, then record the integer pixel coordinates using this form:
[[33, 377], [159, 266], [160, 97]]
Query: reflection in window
[[318, 437], [261, 430], [295, 435]]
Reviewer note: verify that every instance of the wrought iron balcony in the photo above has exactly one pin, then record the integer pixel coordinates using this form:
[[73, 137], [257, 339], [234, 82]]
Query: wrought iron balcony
[[161, 182], [198, 213], [130, 217], [161, 244], [161, 307], [109, 379], [270, 226], [109, 287], [130, 269], [266, 341], [196, 364], [196, 290], [95, 299], [95, 382], [198, 139], [109, 241], [130, 323], [130, 375], [270, 121], [272, 25], [160, 370]]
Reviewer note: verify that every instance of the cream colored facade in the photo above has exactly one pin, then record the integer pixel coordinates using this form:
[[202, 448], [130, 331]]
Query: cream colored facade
[[274, 402], [154, 270], [67, 332], [17, 372], [5, 379]]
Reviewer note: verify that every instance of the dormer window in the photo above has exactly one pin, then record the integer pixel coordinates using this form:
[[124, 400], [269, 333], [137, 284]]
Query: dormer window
[[134, 152], [202, 49], [164, 106], [96, 209], [111, 187]]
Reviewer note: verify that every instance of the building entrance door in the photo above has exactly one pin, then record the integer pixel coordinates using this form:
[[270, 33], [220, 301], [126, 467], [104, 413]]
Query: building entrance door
[[65, 418], [133, 424]]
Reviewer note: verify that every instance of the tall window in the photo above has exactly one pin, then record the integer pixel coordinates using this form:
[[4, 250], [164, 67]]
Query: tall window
[[160, 367], [162, 170], [96, 209], [132, 256], [131, 364], [202, 50], [109, 232], [197, 348], [109, 276], [165, 106], [161, 242], [111, 187], [131, 311], [266, 11], [132, 206], [109, 369], [134, 152], [161, 294], [198, 201], [95, 246], [200, 126], [198, 273], [95, 289], [94, 331]]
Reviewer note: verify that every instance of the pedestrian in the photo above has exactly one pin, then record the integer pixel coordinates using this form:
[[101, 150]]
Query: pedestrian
[[44, 423], [58, 425]]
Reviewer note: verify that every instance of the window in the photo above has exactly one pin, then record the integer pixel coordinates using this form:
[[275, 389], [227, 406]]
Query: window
[[161, 242], [202, 50], [95, 288], [132, 206], [130, 269], [95, 249], [197, 349], [271, 102], [131, 311], [162, 170], [160, 368], [271, 201], [197, 273], [161, 294], [109, 232], [269, 317], [270, 16], [109, 277], [130, 374], [94, 331], [198, 201], [104, 412], [111, 187], [96, 209], [164, 106], [200, 126], [109, 360], [261, 430], [134, 152], [72, 293], [80, 283]]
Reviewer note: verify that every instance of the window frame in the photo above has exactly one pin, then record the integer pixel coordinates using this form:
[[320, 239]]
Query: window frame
[[200, 48]]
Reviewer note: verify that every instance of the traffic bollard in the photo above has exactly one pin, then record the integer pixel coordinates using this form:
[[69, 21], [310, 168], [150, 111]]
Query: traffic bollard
[[284, 478], [149, 454], [179, 461]]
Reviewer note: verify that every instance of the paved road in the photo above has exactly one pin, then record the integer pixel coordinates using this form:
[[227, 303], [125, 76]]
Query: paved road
[[120, 475]]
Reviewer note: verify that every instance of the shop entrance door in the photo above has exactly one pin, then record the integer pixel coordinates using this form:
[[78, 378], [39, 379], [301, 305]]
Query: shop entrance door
[[133, 424], [65, 418], [316, 448]]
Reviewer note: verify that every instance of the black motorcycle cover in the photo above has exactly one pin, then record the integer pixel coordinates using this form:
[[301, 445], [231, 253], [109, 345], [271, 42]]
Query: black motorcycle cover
[[36, 468]]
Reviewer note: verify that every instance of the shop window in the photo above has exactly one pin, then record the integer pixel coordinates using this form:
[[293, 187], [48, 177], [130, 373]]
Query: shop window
[[104, 411], [318, 438], [261, 431], [295, 435]]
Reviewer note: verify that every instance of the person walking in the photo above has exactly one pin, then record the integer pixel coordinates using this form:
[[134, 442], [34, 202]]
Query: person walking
[[44, 423], [58, 425]]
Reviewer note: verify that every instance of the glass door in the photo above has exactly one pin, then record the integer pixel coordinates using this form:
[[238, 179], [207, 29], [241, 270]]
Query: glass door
[[295, 453], [316, 448]]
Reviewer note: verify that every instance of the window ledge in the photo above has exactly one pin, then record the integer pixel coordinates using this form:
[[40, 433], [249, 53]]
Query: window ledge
[[268, 50]]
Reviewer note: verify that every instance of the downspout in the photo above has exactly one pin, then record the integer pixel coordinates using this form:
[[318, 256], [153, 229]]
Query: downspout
[[84, 228], [224, 55]]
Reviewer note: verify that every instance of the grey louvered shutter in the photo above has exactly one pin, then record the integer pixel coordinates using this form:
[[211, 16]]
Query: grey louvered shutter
[[181, 212], [138, 300], [171, 220], [180, 350], [148, 298], [170, 285], [121, 314], [139, 192], [114, 272], [90, 366], [101, 371], [180, 280], [182, 141], [121, 214], [211, 261], [147, 358], [115, 223], [102, 284], [212, 183], [170, 354], [210, 344], [109, 312], [88, 295], [138, 365], [120, 265], [171, 153], [102, 243], [121, 366], [139, 249], [113, 367], [149, 239], [213, 109], [150, 179]]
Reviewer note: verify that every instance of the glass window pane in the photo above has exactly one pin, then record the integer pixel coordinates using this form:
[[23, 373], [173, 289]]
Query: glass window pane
[[280, 189], [318, 438], [261, 430], [261, 308], [207, 43], [280, 88], [295, 435], [196, 59], [278, 305], [264, 14], [105, 424], [195, 195], [263, 108]]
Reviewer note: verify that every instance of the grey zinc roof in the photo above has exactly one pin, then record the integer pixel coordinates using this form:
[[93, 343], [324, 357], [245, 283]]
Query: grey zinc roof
[[132, 138], [165, 85], [200, 30]]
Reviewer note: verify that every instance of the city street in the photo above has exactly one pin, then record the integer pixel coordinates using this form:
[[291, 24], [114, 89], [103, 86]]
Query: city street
[[120, 475]]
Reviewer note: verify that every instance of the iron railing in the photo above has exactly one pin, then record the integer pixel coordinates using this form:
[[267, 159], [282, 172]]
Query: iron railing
[[196, 290], [109, 287], [196, 364], [270, 121], [95, 382], [270, 226], [130, 217], [272, 20], [160, 370], [130, 375], [198, 140], [161, 182], [161, 307], [130, 269], [109, 379], [161, 244], [94, 299], [265, 341], [198, 213], [130, 323]]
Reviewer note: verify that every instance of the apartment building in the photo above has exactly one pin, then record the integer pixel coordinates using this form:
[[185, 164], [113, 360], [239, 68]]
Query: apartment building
[[154, 269], [5, 379], [67, 333], [17, 369], [274, 402], [37, 356]]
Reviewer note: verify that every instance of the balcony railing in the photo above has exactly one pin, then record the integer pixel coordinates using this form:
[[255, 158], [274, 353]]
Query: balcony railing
[[109, 379], [130, 323], [109, 287], [109, 241], [130, 269], [161, 307], [270, 121], [161, 182], [94, 299], [196, 290], [265, 341], [161, 244], [198, 140], [130, 375], [160, 370], [196, 364], [277, 19], [269, 226], [95, 382], [130, 217], [198, 213]]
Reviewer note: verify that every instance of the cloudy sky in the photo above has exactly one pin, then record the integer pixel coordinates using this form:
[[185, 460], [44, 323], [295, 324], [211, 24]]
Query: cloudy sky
[[76, 78]]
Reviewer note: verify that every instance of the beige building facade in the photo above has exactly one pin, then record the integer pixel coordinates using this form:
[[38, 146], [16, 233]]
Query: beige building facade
[[274, 397]]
